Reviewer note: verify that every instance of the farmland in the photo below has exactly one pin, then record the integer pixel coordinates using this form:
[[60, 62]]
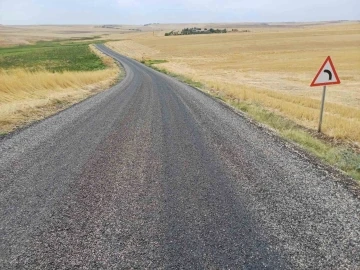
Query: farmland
[[269, 67], [51, 56], [38, 80]]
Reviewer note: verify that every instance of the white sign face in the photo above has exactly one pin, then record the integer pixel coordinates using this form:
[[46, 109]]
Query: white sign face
[[327, 74]]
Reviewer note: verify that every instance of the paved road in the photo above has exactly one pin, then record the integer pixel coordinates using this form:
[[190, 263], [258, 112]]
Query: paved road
[[154, 174]]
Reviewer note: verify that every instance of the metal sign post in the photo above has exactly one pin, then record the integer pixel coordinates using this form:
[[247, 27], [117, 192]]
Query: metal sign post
[[322, 108]]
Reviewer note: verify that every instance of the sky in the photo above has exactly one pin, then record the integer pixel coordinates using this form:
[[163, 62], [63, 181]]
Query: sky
[[24, 12]]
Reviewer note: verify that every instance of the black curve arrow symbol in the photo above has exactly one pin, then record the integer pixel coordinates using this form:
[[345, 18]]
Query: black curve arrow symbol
[[328, 72]]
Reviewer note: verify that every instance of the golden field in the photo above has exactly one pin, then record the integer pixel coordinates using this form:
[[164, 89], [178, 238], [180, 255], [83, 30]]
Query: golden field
[[26, 96], [271, 66]]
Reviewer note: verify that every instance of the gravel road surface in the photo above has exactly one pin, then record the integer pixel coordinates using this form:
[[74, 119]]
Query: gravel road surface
[[153, 174]]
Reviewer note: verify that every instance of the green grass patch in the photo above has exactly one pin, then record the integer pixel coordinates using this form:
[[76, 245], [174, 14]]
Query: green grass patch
[[55, 56], [341, 157], [151, 63], [86, 38]]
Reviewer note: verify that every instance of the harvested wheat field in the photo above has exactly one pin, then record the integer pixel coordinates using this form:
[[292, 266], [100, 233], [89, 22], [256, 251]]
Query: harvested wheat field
[[271, 66]]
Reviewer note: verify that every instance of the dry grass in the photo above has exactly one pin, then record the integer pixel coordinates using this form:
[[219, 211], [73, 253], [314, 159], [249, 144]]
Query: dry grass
[[25, 35], [27, 96], [271, 67]]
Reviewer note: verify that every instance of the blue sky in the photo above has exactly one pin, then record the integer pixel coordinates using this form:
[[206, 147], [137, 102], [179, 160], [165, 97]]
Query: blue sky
[[175, 11]]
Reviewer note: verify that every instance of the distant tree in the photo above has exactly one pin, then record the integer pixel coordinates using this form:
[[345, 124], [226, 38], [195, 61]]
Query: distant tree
[[169, 34]]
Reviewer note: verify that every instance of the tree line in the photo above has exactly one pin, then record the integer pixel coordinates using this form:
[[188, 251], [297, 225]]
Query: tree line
[[195, 31]]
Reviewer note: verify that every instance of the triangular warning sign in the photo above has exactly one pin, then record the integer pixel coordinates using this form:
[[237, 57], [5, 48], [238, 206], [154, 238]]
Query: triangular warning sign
[[327, 74]]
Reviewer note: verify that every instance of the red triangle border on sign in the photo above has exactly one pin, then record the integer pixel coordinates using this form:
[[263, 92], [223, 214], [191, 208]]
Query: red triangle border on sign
[[328, 59]]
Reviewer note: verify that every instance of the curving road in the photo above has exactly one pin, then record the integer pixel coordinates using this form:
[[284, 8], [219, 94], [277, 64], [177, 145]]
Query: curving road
[[154, 174]]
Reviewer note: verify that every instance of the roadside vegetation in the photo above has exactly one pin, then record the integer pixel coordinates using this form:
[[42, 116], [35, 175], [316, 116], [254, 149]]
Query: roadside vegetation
[[342, 122], [342, 156], [153, 63], [39, 80]]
